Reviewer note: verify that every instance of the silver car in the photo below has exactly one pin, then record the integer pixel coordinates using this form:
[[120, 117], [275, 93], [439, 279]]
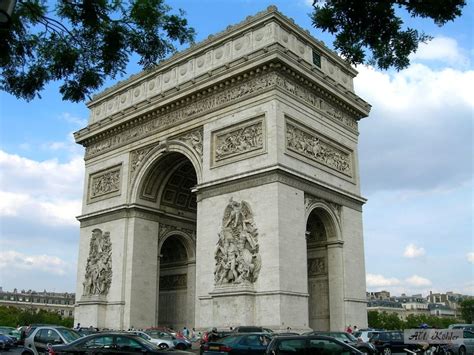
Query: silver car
[[38, 341], [157, 338], [464, 346]]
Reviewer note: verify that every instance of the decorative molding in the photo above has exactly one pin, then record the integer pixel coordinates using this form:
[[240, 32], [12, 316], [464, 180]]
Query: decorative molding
[[238, 261], [317, 266], [317, 148], [167, 228], [194, 140], [199, 107], [104, 184], [173, 282], [239, 141], [309, 201], [241, 87], [137, 157], [221, 49], [98, 275]]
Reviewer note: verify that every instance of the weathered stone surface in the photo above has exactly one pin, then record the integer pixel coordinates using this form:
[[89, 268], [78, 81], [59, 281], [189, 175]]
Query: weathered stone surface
[[227, 181]]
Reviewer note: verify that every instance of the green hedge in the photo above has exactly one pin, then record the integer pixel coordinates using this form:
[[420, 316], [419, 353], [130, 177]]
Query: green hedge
[[12, 317], [384, 320]]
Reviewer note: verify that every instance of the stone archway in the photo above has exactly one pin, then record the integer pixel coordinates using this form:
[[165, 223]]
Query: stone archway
[[176, 281], [321, 234], [165, 185]]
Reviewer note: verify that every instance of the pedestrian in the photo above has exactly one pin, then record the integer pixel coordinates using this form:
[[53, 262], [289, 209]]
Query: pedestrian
[[349, 329], [78, 326], [185, 332]]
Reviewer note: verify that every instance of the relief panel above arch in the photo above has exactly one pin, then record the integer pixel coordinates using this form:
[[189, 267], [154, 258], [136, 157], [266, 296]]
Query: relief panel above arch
[[240, 141], [306, 144]]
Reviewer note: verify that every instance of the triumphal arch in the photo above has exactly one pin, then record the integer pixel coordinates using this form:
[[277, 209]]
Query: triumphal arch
[[222, 188]]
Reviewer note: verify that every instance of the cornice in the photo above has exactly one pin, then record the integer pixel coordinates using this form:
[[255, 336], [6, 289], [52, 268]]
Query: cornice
[[276, 61]]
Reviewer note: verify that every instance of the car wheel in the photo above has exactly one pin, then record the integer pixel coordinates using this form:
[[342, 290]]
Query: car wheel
[[462, 350], [387, 351], [180, 346], [163, 346]]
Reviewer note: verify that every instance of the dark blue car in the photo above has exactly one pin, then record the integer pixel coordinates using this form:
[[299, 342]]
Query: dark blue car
[[238, 344]]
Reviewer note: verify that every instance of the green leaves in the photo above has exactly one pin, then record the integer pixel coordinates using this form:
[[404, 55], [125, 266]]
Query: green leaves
[[371, 32], [83, 43]]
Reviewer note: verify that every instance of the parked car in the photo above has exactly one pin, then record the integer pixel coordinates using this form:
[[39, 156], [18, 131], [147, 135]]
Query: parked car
[[238, 344], [251, 329], [160, 339], [309, 344], [365, 334], [388, 342], [110, 343], [41, 337], [462, 326], [6, 342], [462, 346], [365, 347], [12, 333], [87, 330]]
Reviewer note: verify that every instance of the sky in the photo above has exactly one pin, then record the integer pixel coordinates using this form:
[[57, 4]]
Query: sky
[[415, 152]]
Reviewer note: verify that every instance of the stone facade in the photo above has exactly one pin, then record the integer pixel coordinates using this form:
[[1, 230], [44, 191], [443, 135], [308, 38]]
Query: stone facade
[[227, 183], [57, 302]]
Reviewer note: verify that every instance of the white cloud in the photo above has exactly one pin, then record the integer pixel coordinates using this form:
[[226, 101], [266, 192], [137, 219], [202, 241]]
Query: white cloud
[[443, 49], [11, 260], [412, 251], [47, 191], [419, 131], [77, 121], [418, 281], [470, 257], [374, 280]]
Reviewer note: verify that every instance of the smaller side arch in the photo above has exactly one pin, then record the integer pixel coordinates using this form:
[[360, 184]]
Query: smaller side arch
[[330, 218], [188, 242]]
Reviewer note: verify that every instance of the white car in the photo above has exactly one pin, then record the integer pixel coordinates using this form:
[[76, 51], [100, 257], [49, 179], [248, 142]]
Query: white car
[[38, 341], [161, 342], [364, 335]]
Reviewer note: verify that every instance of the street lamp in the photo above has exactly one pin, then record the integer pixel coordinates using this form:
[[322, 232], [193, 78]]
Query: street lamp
[[6, 10]]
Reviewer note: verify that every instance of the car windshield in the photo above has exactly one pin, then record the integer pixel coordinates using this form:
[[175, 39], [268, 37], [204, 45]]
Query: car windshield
[[69, 334], [159, 335], [351, 337]]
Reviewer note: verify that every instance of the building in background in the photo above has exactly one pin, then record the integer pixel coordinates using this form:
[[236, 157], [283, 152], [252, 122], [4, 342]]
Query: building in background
[[58, 302], [435, 304]]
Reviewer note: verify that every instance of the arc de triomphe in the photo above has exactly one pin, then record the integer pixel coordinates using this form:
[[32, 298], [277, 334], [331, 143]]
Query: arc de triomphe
[[222, 188]]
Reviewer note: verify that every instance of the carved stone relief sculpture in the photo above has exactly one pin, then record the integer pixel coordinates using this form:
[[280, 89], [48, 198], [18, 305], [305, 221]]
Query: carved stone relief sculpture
[[316, 266], [104, 184], [237, 254], [98, 276], [317, 149], [194, 139], [239, 141]]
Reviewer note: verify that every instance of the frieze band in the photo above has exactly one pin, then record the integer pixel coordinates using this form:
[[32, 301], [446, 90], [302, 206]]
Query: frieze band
[[252, 85]]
